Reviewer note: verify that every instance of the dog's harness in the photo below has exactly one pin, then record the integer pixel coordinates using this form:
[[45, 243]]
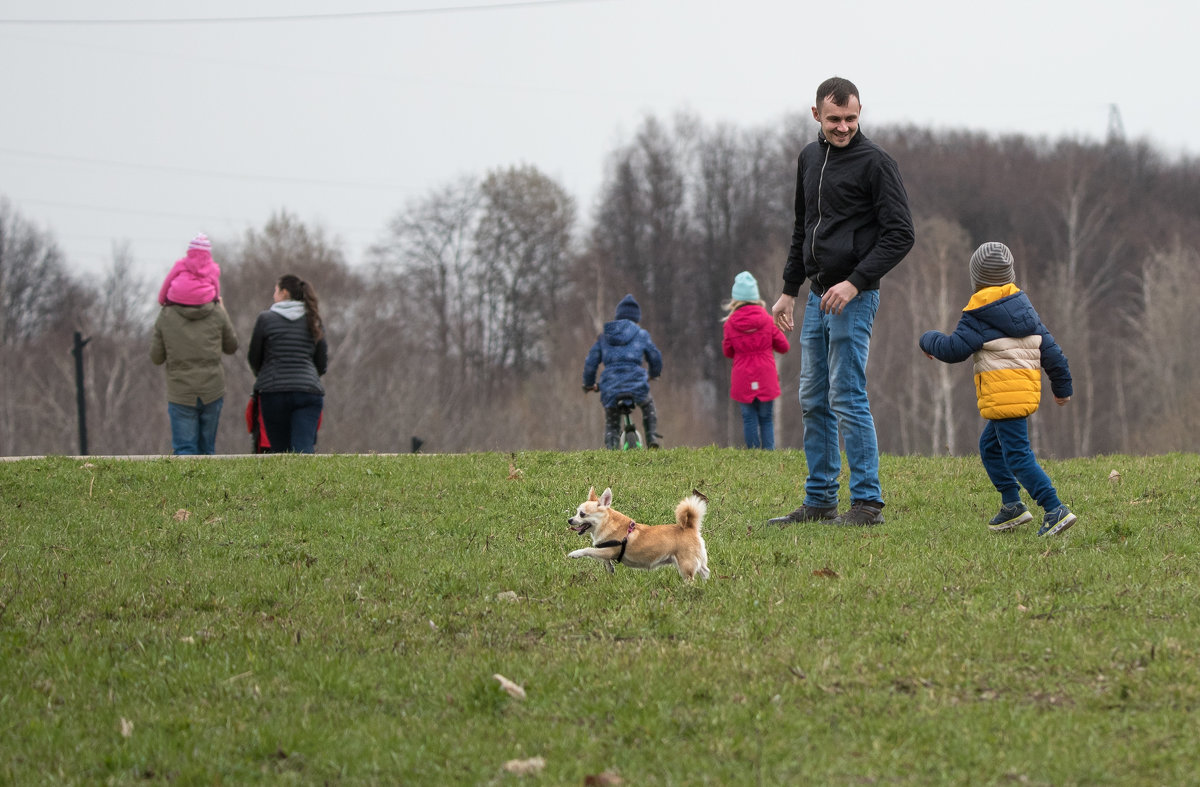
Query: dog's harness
[[624, 542]]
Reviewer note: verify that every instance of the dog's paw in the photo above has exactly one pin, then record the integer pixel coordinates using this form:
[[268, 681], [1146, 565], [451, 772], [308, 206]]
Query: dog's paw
[[578, 553]]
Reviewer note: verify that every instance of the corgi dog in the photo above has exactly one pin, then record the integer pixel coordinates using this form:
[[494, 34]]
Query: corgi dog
[[618, 539]]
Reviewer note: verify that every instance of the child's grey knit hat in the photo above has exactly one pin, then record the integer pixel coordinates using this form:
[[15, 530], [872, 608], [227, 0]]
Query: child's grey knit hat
[[991, 266]]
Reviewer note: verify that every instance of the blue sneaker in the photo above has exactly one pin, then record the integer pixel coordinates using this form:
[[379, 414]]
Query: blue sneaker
[[1056, 521], [1011, 515]]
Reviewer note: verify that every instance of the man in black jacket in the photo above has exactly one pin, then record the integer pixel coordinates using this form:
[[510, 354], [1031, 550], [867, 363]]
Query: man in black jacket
[[852, 226]]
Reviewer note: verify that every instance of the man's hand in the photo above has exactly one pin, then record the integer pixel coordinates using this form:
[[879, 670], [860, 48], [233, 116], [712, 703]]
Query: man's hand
[[837, 296], [782, 312], [1061, 400]]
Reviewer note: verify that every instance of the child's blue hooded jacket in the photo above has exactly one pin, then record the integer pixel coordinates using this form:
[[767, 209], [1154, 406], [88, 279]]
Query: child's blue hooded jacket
[[622, 349]]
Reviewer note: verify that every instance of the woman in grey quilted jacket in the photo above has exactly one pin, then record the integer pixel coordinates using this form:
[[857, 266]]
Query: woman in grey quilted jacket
[[288, 355]]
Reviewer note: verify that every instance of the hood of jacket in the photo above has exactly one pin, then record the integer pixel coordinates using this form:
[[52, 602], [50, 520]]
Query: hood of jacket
[[1006, 309], [620, 332], [194, 312], [292, 310], [197, 260], [747, 319]]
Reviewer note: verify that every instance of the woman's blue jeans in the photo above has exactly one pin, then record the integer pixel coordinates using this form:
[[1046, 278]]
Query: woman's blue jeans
[[194, 428], [758, 424], [291, 419], [833, 400]]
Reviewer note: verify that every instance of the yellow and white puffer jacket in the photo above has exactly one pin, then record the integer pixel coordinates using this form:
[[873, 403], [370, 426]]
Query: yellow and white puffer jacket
[[1002, 333]]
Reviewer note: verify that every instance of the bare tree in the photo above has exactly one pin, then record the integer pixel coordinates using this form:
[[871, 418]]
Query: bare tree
[[1087, 258], [430, 247], [1165, 379], [126, 397], [524, 245], [928, 402], [36, 292]]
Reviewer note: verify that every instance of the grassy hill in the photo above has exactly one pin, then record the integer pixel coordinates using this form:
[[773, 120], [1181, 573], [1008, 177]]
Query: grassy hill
[[339, 619]]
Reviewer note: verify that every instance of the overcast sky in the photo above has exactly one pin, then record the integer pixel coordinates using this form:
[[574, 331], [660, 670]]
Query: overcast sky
[[342, 112]]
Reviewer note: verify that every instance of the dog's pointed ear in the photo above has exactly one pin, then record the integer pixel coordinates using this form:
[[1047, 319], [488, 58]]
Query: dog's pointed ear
[[592, 494], [606, 498]]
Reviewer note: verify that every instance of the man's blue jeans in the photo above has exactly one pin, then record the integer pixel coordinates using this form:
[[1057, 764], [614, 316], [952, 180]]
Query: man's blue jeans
[[194, 428], [1008, 459], [291, 419], [833, 396], [758, 424]]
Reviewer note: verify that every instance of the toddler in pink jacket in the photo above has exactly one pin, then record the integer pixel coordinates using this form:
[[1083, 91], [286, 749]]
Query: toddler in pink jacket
[[194, 279], [751, 340]]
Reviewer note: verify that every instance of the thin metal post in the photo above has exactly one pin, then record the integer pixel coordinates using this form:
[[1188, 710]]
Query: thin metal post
[[80, 395]]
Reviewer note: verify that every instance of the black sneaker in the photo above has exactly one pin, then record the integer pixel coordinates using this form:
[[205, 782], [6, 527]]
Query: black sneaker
[[805, 513], [861, 514], [1011, 515]]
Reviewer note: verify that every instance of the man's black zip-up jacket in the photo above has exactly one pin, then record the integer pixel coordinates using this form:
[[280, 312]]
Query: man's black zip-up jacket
[[852, 218]]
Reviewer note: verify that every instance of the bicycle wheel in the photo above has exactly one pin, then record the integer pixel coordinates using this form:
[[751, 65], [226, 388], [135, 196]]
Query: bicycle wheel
[[631, 440]]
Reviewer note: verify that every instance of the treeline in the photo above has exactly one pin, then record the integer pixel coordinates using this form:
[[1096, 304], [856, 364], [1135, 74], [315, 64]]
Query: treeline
[[468, 324]]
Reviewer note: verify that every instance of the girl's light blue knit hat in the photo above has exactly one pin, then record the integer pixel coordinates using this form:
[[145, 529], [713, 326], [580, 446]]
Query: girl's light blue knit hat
[[745, 288]]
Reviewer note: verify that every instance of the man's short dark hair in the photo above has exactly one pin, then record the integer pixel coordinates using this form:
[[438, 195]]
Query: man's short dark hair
[[837, 90]]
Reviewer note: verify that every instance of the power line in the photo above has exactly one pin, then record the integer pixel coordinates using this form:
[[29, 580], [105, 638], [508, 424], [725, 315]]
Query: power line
[[509, 6], [198, 172]]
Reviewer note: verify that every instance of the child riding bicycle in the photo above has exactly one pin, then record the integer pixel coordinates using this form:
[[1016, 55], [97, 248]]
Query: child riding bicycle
[[622, 348]]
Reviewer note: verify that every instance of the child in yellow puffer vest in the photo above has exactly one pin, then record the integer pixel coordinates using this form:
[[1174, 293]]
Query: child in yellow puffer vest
[[1010, 346]]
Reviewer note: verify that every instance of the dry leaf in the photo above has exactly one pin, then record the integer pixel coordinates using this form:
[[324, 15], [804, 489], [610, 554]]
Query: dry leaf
[[1114, 477], [182, 515], [126, 728], [604, 779], [1022, 608], [507, 595], [525, 767], [513, 473], [188, 640], [87, 465], [827, 572], [513, 689]]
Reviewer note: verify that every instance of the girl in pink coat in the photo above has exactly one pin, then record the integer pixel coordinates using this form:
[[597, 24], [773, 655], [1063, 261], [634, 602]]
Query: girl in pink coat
[[751, 340], [194, 279]]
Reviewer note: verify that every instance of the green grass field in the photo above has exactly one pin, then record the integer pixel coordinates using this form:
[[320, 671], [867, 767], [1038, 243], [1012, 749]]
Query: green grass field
[[339, 619]]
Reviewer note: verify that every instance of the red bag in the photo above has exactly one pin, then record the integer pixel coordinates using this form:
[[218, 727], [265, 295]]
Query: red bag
[[254, 425]]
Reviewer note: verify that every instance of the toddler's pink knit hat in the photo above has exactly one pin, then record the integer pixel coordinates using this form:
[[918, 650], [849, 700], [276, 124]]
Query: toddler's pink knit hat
[[201, 241]]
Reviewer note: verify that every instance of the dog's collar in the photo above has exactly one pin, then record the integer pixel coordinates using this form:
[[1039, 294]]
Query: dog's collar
[[624, 542]]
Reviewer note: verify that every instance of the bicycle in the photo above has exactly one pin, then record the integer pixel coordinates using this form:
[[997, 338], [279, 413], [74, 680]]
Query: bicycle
[[631, 438]]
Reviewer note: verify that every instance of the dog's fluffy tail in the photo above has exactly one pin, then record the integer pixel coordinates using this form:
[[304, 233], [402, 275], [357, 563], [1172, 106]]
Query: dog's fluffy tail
[[690, 512]]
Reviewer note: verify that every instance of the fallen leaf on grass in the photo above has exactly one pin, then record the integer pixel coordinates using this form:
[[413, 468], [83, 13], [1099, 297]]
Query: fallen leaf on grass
[[602, 779], [826, 572], [513, 689], [513, 473], [126, 728], [525, 767], [1022, 608], [182, 515], [1114, 477], [508, 595]]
